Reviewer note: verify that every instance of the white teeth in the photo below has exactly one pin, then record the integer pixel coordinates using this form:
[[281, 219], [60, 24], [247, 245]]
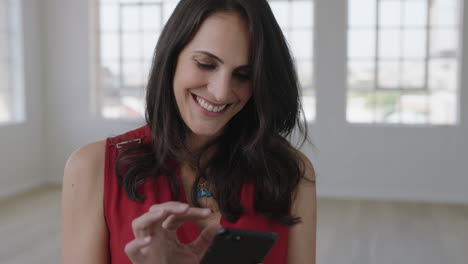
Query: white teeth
[[210, 107]]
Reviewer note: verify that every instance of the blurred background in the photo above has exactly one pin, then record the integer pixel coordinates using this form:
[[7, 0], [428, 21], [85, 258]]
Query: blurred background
[[384, 89]]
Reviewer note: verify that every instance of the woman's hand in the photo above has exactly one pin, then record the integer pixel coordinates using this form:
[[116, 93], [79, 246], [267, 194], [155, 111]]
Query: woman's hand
[[156, 239]]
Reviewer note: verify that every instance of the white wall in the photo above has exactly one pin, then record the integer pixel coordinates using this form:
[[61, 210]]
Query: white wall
[[21, 148], [351, 161]]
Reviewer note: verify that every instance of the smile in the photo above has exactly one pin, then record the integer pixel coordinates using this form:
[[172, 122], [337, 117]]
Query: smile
[[208, 106]]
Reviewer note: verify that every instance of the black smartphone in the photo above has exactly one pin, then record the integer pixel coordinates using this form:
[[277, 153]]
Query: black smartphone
[[239, 246]]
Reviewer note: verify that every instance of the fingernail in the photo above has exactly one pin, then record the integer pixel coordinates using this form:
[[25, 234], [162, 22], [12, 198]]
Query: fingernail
[[183, 206], [146, 239]]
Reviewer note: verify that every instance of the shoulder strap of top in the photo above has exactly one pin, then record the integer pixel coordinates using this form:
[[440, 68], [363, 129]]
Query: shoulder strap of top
[[113, 144], [139, 135]]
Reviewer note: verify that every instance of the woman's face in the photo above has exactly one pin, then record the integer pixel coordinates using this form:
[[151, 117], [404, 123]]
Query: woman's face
[[212, 77]]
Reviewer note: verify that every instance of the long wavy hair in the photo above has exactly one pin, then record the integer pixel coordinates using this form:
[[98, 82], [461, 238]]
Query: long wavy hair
[[254, 146]]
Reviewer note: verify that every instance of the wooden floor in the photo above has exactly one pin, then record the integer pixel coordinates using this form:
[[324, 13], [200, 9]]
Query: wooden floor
[[358, 232]]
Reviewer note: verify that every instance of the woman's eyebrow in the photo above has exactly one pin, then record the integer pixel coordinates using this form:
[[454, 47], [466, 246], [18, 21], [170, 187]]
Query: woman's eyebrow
[[219, 59]]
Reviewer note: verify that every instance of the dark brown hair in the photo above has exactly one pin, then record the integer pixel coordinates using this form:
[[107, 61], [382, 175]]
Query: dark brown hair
[[253, 146]]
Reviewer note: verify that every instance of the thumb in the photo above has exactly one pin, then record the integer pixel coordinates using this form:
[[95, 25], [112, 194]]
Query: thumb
[[203, 242]]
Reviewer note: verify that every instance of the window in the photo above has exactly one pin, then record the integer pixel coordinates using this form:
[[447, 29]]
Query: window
[[403, 60], [11, 79], [128, 33], [295, 18]]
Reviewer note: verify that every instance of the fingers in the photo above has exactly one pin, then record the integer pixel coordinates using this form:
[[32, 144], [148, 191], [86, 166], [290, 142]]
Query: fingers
[[173, 222], [133, 249], [204, 240], [144, 225], [169, 205]]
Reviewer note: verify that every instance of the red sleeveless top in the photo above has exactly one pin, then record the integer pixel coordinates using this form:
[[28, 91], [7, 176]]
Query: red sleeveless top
[[119, 210]]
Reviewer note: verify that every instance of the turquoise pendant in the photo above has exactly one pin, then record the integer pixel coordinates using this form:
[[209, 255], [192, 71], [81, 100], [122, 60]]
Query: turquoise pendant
[[202, 191]]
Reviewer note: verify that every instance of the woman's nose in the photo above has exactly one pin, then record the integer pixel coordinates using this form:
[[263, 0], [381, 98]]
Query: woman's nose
[[220, 87]]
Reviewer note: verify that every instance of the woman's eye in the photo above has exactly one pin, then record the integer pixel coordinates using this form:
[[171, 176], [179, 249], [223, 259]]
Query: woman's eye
[[206, 66], [242, 76]]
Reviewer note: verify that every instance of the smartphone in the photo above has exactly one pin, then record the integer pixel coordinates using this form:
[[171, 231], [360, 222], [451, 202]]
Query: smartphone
[[239, 246]]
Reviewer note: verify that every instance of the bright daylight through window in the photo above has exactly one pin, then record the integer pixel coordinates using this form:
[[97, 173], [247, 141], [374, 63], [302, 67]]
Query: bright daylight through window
[[403, 61], [128, 32], [11, 78]]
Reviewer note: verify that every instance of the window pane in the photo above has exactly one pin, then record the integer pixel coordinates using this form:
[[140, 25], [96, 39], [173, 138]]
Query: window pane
[[301, 43], [412, 64], [133, 106], [133, 74], [11, 71], [443, 107], [149, 44], [414, 108], [361, 44], [110, 107], [359, 109], [390, 13], [131, 46], [443, 74], [412, 75], [280, 10], [362, 13], [386, 106], [304, 69], [302, 13], [389, 43], [110, 80], [168, 8], [4, 92], [445, 12], [5, 108], [151, 16], [130, 17], [415, 13], [110, 69], [110, 46], [146, 71], [109, 18], [444, 43], [414, 43], [389, 74], [361, 75], [308, 104]]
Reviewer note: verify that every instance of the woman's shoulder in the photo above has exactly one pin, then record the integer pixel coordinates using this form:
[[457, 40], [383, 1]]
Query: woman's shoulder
[[82, 206], [309, 171], [86, 165]]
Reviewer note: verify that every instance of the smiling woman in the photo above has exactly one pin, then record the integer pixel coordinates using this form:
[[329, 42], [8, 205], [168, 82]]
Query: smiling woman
[[222, 98]]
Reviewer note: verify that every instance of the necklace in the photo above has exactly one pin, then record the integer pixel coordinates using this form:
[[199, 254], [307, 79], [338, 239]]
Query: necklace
[[202, 190]]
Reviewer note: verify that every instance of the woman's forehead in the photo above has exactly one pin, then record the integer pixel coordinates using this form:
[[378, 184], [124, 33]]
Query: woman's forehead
[[225, 35]]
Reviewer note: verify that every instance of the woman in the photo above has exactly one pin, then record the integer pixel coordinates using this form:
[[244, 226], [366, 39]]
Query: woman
[[222, 96]]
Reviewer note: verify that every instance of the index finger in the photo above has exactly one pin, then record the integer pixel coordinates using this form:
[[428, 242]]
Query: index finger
[[172, 205], [143, 225]]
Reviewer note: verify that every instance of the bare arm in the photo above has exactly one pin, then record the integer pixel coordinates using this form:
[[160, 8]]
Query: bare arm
[[84, 232], [302, 237]]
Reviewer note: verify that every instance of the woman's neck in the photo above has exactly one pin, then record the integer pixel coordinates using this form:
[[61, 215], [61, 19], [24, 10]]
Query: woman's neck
[[194, 144]]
